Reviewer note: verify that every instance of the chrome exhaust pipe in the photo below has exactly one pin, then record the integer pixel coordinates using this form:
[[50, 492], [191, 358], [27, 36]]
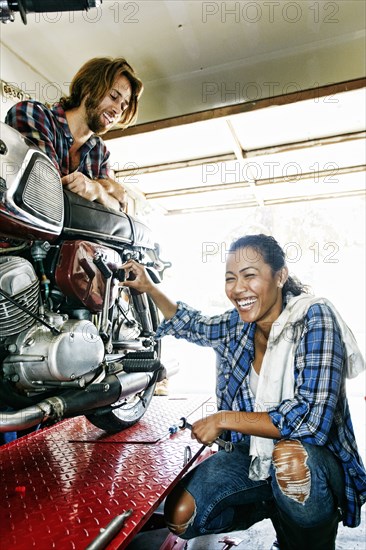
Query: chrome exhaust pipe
[[14, 421], [72, 403], [171, 367], [133, 382]]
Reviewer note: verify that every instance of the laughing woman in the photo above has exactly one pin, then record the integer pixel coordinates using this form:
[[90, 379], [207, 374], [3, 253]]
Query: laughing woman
[[283, 356]]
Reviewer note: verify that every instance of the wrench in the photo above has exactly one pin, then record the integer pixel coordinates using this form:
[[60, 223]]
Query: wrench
[[226, 445]]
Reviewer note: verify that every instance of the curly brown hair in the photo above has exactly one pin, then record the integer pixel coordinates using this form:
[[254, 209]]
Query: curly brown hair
[[96, 77]]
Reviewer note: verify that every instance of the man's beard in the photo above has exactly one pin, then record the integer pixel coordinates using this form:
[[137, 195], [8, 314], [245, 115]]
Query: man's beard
[[93, 117]]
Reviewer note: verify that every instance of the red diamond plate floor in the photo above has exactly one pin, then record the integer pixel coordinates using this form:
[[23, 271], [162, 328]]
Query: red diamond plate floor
[[62, 485]]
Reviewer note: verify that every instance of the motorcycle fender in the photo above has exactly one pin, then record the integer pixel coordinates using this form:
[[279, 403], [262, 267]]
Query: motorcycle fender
[[16, 228]]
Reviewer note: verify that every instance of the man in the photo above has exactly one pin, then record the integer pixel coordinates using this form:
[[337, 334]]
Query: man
[[103, 92]]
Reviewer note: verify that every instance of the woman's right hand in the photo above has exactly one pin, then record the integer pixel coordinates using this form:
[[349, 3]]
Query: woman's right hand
[[137, 277]]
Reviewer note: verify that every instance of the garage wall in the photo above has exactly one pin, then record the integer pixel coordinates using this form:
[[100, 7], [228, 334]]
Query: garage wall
[[23, 79]]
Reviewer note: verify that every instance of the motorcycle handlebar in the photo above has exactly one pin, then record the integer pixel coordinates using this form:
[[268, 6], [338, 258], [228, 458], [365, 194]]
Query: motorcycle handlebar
[[40, 6], [8, 7]]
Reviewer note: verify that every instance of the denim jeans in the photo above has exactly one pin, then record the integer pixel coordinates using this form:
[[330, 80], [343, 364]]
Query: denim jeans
[[227, 500]]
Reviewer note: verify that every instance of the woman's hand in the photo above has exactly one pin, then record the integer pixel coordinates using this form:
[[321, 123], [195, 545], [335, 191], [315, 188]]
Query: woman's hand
[[137, 277], [207, 429], [250, 423]]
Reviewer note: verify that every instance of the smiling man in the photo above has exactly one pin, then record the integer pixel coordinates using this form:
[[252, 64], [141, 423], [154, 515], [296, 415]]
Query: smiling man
[[103, 92]]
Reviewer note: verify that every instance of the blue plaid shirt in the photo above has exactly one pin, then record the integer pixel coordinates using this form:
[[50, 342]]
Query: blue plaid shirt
[[318, 414], [49, 130]]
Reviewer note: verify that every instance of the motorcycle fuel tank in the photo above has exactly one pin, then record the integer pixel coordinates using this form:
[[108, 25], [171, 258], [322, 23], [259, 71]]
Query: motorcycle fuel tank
[[78, 276]]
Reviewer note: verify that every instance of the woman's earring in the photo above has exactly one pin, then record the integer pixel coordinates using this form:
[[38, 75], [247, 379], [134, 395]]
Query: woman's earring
[[280, 285]]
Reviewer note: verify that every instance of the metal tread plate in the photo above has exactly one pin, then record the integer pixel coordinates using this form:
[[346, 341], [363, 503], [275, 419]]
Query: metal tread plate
[[62, 485]]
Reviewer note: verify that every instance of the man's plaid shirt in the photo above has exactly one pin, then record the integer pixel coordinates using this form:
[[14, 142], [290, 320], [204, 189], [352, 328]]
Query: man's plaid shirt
[[49, 130], [318, 414]]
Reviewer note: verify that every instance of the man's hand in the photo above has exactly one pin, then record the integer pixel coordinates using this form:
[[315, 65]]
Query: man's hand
[[78, 183], [96, 190], [116, 190]]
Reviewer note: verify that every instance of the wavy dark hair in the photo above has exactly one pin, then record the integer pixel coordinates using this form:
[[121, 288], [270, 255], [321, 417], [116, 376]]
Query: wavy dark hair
[[95, 79], [273, 255]]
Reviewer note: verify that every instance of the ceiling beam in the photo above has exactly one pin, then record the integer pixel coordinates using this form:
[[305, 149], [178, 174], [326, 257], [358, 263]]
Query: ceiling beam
[[250, 153], [306, 144], [243, 107], [252, 203], [177, 165], [258, 183], [239, 153]]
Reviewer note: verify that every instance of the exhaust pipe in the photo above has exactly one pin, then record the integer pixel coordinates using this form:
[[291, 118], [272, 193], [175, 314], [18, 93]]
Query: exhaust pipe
[[25, 418], [73, 403], [112, 389]]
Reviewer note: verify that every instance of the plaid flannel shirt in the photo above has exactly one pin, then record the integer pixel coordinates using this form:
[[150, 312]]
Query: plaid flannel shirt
[[49, 130], [318, 414]]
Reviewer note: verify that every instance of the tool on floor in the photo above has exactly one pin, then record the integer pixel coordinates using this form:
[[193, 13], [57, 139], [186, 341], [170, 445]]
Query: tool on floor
[[172, 430], [230, 542], [108, 533], [226, 445]]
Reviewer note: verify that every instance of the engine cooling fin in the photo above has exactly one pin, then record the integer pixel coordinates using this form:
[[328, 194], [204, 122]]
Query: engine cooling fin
[[18, 280]]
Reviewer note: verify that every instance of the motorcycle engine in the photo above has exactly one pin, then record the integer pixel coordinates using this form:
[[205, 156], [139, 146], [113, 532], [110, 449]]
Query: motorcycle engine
[[38, 355]]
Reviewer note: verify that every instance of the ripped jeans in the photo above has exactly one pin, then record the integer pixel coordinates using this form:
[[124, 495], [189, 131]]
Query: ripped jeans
[[227, 500]]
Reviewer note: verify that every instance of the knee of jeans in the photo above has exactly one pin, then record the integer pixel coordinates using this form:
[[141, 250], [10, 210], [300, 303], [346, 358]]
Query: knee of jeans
[[179, 510], [291, 470]]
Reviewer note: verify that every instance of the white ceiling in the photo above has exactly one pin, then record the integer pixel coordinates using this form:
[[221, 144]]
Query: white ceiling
[[194, 56]]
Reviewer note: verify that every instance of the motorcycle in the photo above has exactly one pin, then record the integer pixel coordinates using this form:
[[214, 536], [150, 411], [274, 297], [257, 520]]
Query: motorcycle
[[73, 341]]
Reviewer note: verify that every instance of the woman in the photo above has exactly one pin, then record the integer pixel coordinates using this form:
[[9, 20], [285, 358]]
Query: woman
[[283, 356]]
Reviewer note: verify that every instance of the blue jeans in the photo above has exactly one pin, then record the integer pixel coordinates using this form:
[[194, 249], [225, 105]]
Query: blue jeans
[[227, 500]]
